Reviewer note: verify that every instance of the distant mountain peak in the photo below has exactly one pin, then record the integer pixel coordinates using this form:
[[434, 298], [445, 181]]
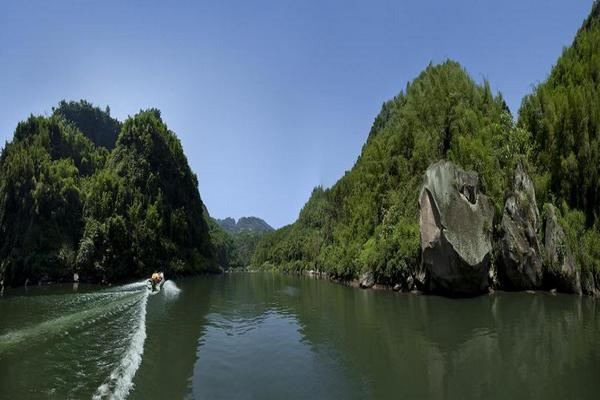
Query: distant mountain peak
[[249, 224]]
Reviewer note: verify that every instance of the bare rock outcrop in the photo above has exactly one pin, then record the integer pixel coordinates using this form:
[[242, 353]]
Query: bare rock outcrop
[[561, 270], [519, 259], [455, 224]]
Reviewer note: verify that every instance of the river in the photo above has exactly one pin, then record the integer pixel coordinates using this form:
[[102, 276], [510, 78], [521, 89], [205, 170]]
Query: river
[[272, 336]]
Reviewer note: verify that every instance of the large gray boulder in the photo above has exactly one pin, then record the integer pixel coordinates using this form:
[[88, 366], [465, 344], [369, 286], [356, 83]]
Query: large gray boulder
[[561, 270], [456, 224], [519, 256]]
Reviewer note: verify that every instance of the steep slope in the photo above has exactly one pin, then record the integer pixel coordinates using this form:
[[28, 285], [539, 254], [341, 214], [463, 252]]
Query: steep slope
[[368, 220], [563, 115], [41, 178]]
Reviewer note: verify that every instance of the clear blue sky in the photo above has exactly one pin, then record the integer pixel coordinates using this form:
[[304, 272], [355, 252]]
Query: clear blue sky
[[269, 98]]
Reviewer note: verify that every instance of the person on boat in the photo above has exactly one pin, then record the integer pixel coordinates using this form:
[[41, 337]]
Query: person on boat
[[155, 280]]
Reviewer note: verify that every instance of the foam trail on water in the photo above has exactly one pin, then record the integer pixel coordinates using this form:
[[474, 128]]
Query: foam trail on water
[[132, 286], [170, 289], [59, 325], [120, 381]]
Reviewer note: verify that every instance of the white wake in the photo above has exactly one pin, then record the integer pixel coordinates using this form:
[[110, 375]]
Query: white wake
[[120, 381], [170, 289]]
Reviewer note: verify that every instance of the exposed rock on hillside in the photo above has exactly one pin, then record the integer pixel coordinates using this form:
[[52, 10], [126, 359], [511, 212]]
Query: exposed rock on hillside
[[561, 270], [455, 225], [519, 255], [589, 283]]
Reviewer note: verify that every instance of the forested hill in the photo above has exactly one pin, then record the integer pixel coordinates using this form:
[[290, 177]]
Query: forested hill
[[72, 199], [368, 220], [563, 116], [248, 224]]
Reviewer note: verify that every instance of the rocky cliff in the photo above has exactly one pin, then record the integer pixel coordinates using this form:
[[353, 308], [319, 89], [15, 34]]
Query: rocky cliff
[[519, 258]]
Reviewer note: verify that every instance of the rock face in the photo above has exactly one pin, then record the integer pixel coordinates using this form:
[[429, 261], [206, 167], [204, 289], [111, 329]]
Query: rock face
[[561, 271], [519, 255], [455, 223], [588, 284], [367, 280]]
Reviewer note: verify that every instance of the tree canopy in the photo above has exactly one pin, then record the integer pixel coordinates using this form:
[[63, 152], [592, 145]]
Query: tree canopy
[[93, 122], [563, 116], [68, 204]]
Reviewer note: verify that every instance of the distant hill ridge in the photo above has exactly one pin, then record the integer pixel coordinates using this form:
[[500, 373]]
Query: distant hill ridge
[[250, 224]]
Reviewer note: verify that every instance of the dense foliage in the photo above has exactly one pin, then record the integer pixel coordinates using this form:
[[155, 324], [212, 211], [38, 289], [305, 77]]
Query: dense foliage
[[143, 210], [94, 123], [42, 173], [369, 219], [563, 116], [68, 205], [225, 247]]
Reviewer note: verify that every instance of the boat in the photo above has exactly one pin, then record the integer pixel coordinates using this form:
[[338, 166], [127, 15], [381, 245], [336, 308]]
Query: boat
[[155, 282]]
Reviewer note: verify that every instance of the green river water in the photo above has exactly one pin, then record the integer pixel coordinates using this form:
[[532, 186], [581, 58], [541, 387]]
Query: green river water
[[271, 336]]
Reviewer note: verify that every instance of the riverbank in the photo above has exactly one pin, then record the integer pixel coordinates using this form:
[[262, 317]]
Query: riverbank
[[364, 284]]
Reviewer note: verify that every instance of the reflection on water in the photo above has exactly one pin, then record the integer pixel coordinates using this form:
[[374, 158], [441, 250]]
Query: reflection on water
[[273, 336], [269, 336]]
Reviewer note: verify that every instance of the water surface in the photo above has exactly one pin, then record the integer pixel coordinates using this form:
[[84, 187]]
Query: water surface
[[271, 336]]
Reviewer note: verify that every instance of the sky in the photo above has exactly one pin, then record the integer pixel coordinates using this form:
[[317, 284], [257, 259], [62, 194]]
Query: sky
[[269, 98]]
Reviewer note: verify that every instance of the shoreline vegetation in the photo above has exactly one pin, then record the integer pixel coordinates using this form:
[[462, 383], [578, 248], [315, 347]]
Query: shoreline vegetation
[[451, 194]]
